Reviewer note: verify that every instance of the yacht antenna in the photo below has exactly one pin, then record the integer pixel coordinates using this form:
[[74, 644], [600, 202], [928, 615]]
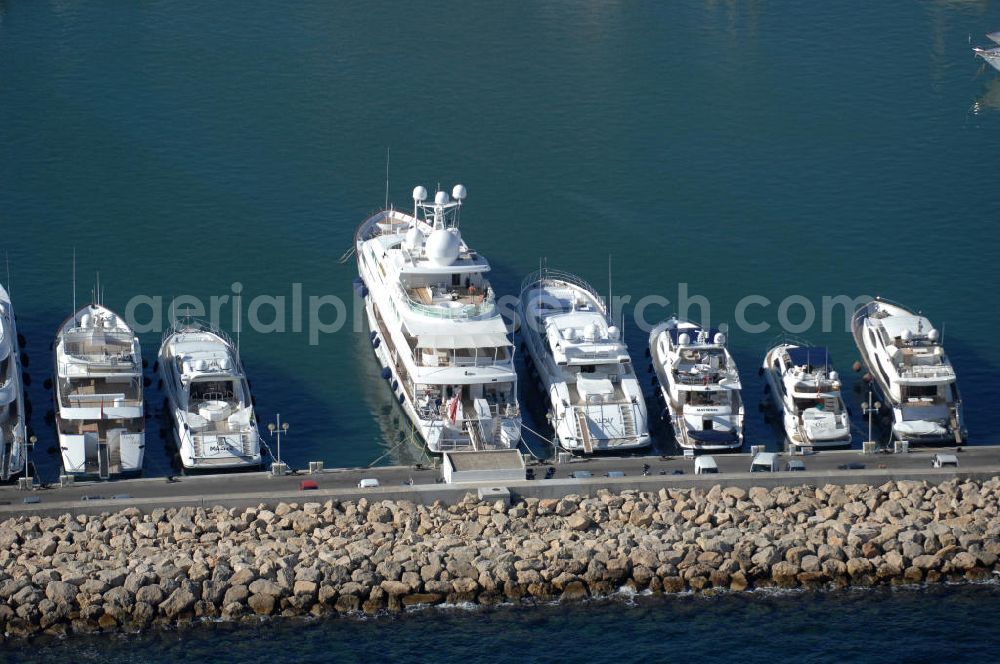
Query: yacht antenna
[[239, 320], [386, 178], [74, 282], [611, 308], [97, 290], [944, 324]]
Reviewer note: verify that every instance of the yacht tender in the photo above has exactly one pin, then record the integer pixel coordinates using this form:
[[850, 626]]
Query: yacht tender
[[213, 418], [910, 371], [583, 365], [700, 385], [806, 391], [435, 326], [13, 439], [98, 394]]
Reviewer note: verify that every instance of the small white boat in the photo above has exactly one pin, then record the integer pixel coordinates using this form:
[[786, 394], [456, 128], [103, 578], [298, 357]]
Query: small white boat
[[13, 439], [98, 394], [805, 390], [910, 372], [213, 419], [700, 385], [583, 365], [990, 55]]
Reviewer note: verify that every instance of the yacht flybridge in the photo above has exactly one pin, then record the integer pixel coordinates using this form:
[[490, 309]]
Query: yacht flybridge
[[209, 400], [435, 326], [583, 365], [98, 392], [699, 384], [806, 391], [13, 442], [910, 371]]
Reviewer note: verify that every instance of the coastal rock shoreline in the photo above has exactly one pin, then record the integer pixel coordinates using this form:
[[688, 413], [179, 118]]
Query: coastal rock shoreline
[[133, 571]]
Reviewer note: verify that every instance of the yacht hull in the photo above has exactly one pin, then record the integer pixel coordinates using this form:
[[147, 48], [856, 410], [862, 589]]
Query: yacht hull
[[13, 433], [789, 419], [673, 411], [951, 433], [581, 428], [209, 445]]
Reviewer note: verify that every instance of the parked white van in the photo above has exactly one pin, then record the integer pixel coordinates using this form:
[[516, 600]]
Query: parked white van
[[764, 462], [368, 483], [705, 465]]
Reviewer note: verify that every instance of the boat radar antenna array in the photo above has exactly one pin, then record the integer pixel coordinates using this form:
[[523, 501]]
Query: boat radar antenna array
[[386, 178]]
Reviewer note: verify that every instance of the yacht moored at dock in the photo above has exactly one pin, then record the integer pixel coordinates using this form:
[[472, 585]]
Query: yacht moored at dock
[[805, 390], [435, 327], [208, 398], [990, 55], [13, 437], [583, 365], [910, 372], [98, 394], [700, 385]]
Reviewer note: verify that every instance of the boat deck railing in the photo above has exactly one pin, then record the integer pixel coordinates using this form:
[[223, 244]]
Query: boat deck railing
[[486, 305]]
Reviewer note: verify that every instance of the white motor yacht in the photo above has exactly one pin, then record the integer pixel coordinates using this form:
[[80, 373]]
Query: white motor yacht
[[98, 394], [210, 404], [435, 328], [990, 55], [13, 440], [910, 372], [583, 365], [805, 390], [700, 385]]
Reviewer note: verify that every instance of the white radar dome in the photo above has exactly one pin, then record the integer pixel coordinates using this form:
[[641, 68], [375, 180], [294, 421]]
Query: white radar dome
[[684, 339], [414, 239], [834, 376], [443, 246], [441, 198], [907, 335], [420, 193], [458, 192], [85, 320], [590, 332], [613, 332], [719, 338], [933, 334], [567, 334]]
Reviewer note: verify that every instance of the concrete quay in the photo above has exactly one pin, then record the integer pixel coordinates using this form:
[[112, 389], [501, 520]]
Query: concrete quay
[[422, 485]]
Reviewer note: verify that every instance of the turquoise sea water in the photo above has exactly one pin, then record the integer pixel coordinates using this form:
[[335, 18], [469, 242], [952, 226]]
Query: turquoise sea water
[[729, 149], [766, 148]]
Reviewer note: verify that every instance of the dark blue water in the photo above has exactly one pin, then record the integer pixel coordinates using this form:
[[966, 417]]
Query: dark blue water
[[772, 149], [939, 624]]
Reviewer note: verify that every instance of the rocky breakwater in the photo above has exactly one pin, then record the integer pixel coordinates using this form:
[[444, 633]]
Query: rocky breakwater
[[133, 570]]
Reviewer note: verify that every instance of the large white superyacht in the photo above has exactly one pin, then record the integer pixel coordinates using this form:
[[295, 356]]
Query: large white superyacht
[[13, 440], [583, 365], [209, 399], [98, 394], [910, 372], [805, 390], [435, 326], [700, 385]]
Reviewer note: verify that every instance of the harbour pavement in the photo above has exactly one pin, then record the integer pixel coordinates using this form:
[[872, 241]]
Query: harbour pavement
[[422, 484]]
